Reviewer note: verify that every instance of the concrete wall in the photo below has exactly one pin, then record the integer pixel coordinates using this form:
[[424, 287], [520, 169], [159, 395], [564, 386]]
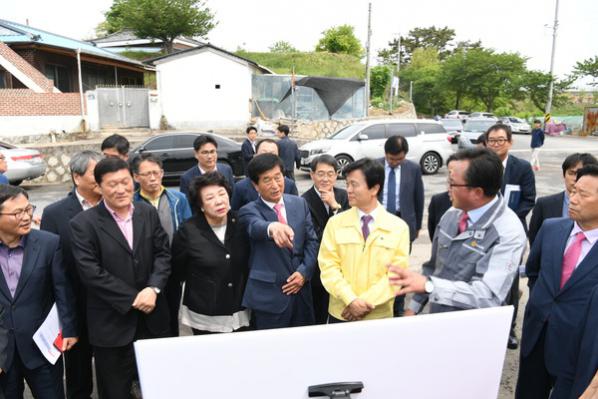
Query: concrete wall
[[16, 126]]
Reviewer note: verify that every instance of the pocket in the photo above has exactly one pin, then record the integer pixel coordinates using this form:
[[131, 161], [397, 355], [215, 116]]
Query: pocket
[[262, 275]]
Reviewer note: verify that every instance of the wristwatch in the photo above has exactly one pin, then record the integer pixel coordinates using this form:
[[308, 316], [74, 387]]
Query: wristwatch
[[156, 290], [429, 286]]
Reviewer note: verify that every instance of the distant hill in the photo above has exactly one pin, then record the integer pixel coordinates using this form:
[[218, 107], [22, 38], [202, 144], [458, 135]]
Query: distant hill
[[312, 64]]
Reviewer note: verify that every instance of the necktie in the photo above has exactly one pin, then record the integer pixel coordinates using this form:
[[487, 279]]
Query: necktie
[[278, 210], [391, 193], [463, 222], [571, 257], [365, 228]]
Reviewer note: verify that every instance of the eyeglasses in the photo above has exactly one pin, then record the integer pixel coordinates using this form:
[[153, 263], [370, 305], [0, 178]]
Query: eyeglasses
[[322, 174], [500, 141], [20, 213], [152, 173]]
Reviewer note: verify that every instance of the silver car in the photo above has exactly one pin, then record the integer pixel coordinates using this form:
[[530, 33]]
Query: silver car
[[517, 125], [22, 163]]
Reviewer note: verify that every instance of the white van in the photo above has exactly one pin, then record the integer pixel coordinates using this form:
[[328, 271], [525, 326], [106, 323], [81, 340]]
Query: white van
[[429, 143]]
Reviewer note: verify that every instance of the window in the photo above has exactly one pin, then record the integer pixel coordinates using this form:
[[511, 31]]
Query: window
[[185, 141], [403, 129], [375, 132], [430, 128], [60, 76], [161, 143]]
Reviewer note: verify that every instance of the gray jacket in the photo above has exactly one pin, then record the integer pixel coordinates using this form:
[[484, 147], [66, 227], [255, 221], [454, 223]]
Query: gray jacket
[[474, 269]]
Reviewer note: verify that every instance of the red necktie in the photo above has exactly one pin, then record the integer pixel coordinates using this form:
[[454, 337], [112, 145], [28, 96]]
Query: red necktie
[[463, 222], [278, 209], [571, 257]]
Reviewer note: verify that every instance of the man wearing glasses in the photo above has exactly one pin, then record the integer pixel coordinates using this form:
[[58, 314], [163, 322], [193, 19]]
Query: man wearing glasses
[[173, 209], [33, 279], [477, 246], [206, 153], [3, 168]]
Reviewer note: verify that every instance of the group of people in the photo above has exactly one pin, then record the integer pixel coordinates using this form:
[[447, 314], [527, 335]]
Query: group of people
[[124, 258]]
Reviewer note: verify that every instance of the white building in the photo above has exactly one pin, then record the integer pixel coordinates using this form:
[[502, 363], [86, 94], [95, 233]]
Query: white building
[[206, 88]]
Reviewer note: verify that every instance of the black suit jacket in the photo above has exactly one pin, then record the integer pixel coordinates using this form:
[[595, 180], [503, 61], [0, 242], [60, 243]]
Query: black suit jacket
[[439, 204], [289, 153], [519, 172], [317, 209], [586, 343], [247, 153], [245, 192], [550, 206], [214, 273], [114, 274], [194, 171]]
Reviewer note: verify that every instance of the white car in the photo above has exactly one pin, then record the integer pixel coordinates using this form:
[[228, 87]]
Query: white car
[[517, 125], [429, 143], [457, 114], [484, 115], [22, 163]]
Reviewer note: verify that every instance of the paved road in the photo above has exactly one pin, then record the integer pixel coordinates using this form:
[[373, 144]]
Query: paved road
[[548, 181]]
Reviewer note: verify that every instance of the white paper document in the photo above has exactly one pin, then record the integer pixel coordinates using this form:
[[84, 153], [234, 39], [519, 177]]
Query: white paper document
[[46, 334], [510, 189]]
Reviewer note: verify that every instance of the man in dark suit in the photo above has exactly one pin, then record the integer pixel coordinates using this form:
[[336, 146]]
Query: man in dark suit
[[206, 153], [284, 248], [289, 152], [519, 189], [86, 194], [557, 205], [245, 192], [403, 193], [248, 149], [33, 279], [562, 268], [123, 259], [439, 204], [324, 201]]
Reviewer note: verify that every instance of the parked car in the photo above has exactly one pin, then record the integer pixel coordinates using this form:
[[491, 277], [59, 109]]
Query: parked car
[[517, 125], [177, 155], [457, 114], [453, 127], [22, 163], [429, 144], [486, 115], [473, 128]]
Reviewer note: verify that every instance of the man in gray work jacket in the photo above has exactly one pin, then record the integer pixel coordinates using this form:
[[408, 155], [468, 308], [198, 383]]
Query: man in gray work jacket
[[477, 246]]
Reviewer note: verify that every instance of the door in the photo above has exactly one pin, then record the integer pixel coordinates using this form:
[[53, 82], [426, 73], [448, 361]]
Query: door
[[123, 107], [373, 147]]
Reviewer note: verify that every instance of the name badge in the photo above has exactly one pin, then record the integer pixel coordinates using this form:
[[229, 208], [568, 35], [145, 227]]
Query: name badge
[[479, 234]]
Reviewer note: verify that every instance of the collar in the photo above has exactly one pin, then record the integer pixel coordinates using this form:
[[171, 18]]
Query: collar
[[82, 201], [504, 163], [203, 171], [271, 204], [21, 244], [116, 216], [147, 197], [387, 166], [476, 214], [591, 235]]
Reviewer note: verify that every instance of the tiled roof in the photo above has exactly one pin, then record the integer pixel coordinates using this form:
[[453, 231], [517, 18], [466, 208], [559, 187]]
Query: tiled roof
[[128, 35]]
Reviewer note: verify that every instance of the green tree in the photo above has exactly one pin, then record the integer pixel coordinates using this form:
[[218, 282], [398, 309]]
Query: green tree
[[160, 19], [282, 46], [341, 40], [588, 67], [535, 85], [429, 97], [379, 80], [439, 38]]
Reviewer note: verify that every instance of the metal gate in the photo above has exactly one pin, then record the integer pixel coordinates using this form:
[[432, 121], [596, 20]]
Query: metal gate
[[122, 107]]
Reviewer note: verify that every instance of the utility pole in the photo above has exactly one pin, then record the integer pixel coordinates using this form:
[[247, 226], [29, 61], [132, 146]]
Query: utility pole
[[411, 91], [366, 100], [551, 87], [392, 77]]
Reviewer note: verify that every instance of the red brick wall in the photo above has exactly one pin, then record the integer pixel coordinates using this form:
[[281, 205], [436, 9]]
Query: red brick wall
[[25, 102], [25, 67]]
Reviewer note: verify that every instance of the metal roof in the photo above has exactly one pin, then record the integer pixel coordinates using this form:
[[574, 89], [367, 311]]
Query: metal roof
[[14, 33]]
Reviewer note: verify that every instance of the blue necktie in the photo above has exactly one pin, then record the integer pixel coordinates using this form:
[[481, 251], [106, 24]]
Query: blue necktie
[[391, 193]]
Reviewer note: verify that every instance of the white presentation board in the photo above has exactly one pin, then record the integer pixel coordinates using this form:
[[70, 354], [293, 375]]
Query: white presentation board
[[449, 355]]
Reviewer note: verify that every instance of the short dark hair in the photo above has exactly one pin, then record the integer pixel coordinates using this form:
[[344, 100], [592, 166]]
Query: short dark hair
[[118, 142], [250, 128], [263, 163], [202, 140], [588, 170], [146, 156], [395, 145], [283, 129], [537, 121], [371, 169], [109, 165], [326, 159], [485, 169], [496, 127], [259, 143], [202, 181], [573, 159], [8, 192]]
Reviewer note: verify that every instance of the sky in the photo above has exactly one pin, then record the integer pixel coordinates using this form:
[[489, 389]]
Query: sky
[[523, 26]]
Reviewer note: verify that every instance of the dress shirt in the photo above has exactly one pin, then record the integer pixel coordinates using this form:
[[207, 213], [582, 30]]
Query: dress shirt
[[387, 169], [82, 201], [586, 245], [372, 221], [504, 163], [125, 225], [476, 214], [203, 172], [11, 261]]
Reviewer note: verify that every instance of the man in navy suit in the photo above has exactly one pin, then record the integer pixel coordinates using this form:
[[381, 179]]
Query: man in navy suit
[[403, 193], [284, 250], [519, 184], [245, 192], [557, 205], [33, 279], [562, 268], [248, 149], [289, 152], [206, 153], [55, 219]]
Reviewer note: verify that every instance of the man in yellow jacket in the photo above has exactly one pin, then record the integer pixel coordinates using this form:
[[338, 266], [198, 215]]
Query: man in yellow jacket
[[357, 247]]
